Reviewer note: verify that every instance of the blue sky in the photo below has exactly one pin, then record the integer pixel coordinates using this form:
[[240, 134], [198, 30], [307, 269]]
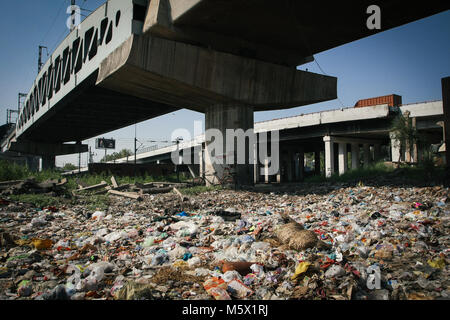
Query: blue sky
[[409, 60]]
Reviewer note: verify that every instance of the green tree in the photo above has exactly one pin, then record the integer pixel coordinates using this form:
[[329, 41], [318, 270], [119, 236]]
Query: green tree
[[69, 167], [407, 136], [117, 155]]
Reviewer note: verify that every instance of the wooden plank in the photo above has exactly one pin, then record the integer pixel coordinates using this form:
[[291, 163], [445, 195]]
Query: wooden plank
[[179, 193], [8, 183], [156, 190], [126, 194], [114, 182], [94, 187], [63, 182]]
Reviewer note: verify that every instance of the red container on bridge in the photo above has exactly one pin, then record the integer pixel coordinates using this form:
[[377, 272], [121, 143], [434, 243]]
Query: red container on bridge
[[392, 100]]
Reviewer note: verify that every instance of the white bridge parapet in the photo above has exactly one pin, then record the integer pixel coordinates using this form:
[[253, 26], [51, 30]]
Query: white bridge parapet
[[78, 56]]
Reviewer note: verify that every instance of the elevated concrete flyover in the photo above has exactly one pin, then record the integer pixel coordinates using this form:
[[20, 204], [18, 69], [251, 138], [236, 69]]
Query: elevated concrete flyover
[[133, 60], [345, 139]]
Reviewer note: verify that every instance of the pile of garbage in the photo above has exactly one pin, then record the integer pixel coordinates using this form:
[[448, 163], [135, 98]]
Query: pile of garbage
[[31, 186], [383, 243]]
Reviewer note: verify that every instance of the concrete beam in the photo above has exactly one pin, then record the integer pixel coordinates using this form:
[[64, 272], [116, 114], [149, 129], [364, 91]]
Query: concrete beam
[[425, 109], [355, 140], [187, 76], [47, 149], [354, 114], [163, 15]]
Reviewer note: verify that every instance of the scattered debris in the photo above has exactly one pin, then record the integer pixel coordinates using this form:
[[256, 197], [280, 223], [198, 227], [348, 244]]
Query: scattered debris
[[130, 195], [333, 242]]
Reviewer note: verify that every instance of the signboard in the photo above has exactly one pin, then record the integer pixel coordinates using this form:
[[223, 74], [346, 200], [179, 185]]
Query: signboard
[[105, 143]]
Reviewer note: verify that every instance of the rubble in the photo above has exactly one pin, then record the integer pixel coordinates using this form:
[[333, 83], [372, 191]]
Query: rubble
[[31, 186], [361, 242]]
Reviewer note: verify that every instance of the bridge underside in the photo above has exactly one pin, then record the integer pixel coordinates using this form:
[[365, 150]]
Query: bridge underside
[[284, 31], [90, 111]]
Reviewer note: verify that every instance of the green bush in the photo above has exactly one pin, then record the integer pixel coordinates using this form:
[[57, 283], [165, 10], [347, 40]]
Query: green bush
[[12, 171]]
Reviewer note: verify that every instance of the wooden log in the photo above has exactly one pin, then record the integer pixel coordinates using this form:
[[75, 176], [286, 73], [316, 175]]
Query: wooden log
[[122, 187], [63, 182], [9, 183], [156, 190], [94, 187], [143, 185], [126, 194], [183, 198], [114, 182]]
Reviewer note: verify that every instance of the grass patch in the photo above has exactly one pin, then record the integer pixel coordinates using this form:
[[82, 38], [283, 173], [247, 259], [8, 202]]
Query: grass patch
[[419, 173], [375, 170], [97, 202], [37, 200], [192, 191]]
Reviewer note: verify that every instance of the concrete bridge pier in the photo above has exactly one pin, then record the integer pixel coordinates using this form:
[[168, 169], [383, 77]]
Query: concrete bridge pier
[[395, 149], [301, 164], [317, 162], [329, 156], [221, 163], [32, 163], [343, 158], [48, 162], [367, 155], [342, 164], [355, 156]]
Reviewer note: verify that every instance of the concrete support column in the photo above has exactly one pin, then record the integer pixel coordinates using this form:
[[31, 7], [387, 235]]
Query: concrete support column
[[317, 162], [355, 156], [415, 152], [301, 164], [201, 170], [266, 171], [32, 163], [48, 162], [377, 152], [255, 163], [221, 118], [446, 106], [366, 155], [289, 167], [343, 159], [407, 152], [329, 156], [395, 149], [282, 167], [407, 143]]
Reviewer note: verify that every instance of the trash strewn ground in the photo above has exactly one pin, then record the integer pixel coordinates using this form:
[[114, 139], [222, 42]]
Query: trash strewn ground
[[383, 243]]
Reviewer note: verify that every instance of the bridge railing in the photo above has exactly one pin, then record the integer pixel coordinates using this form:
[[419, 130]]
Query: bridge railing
[[79, 56]]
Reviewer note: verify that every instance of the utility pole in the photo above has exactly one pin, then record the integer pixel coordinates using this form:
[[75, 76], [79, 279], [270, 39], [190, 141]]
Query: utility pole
[[135, 148], [79, 158], [40, 63], [9, 113], [20, 96]]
